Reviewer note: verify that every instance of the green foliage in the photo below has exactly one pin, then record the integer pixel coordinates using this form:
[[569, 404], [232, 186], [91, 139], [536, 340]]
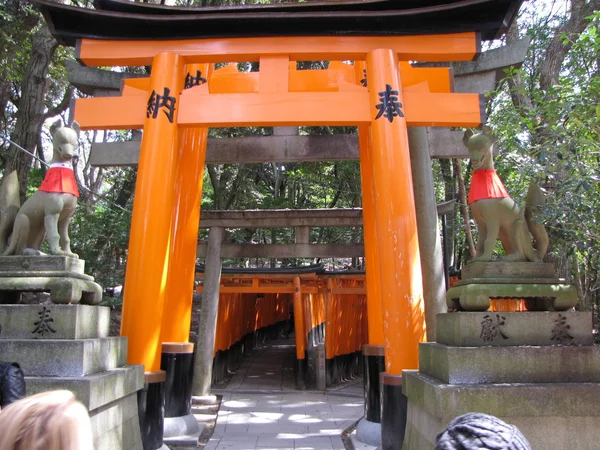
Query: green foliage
[[553, 138]]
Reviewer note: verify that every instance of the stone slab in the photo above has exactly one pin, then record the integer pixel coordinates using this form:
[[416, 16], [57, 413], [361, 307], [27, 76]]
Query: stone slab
[[501, 400], [182, 431], [477, 329], [525, 364], [48, 263], [499, 269], [65, 358], [116, 426], [368, 432], [514, 280], [95, 390], [551, 416], [476, 297], [58, 321], [63, 288]]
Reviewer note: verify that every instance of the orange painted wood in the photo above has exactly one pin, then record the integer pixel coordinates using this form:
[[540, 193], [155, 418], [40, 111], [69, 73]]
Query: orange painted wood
[[329, 321], [186, 220], [373, 283], [281, 109], [399, 260], [274, 74], [111, 113], [146, 277], [299, 321], [274, 109], [136, 86], [435, 47], [228, 80], [439, 79]]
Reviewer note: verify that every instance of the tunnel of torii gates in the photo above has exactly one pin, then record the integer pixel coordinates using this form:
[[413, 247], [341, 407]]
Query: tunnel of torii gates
[[381, 94], [176, 121]]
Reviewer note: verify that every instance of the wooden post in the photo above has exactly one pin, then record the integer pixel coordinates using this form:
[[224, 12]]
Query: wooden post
[[147, 265], [430, 246], [400, 264], [177, 352], [186, 220], [208, 315], [299, 326]]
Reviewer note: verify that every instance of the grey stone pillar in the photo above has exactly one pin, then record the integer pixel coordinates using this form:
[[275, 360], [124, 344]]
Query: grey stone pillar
[[430, 246], [208, 314]]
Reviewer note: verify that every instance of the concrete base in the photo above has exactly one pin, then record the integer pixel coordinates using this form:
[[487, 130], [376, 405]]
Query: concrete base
[[368, 432], [550, 415], [204, 399], [184, 430], [62, 276], [66, 347], [111, 400], [477, 329], [57, 321], [524, 364]]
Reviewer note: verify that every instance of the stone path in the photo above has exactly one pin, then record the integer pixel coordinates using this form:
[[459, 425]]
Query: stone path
[[261, 409]]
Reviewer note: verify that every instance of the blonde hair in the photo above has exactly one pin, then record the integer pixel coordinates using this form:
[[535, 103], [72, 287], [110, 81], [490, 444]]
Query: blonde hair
[[52, 420]]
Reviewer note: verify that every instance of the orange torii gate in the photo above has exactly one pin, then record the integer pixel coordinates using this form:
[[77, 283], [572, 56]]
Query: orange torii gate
[[381, 94], [175, 122]]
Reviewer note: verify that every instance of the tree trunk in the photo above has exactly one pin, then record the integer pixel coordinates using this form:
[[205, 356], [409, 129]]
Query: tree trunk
[[30, 116], [464, 208], [213, 174]]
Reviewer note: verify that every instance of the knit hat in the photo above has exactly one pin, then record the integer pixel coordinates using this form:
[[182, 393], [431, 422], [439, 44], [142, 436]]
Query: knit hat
[[476, 431]]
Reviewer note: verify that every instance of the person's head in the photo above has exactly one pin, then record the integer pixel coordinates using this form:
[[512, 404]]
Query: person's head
[[52, 420], [480, 431]]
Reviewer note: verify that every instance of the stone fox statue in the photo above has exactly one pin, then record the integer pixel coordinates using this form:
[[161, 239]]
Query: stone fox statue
[[496, 214], [49, 210]]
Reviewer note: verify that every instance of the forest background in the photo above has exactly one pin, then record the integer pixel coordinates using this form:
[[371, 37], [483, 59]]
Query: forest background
[[545, 116]]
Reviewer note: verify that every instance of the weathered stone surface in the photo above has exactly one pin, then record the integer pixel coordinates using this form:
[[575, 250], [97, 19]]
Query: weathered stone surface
[[116, 426], [475, 297], [473, 329], [524, 364], [557, 281], [60, 264], [58, 321], [63, 289], [502, 400], [95, 390], [499, 269], [550, 415], [65, 358]]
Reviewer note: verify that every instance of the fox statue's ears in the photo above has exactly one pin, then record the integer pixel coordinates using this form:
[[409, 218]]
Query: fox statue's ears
[[467, 136], [58, 124], [488, 132], [76, 127], [485, 130], [55, 126]]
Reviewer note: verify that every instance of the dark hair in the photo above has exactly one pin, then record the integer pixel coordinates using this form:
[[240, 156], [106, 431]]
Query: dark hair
[[480, 431]]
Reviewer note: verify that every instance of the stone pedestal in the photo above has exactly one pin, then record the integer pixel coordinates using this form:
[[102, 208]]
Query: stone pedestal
[[67, 347], [535, 282], [62, 276], [537, 370]]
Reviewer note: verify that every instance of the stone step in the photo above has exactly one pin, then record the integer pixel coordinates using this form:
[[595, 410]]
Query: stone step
[[526, 364], [550, 415], [95, 390], [65, 358], [477, 329], [50, 321]]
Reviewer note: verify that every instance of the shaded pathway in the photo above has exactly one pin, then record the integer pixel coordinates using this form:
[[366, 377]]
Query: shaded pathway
[[261, 409]]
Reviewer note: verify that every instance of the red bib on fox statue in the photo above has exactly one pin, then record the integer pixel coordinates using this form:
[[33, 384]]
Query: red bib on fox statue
[[486, 184], [60, 178]]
